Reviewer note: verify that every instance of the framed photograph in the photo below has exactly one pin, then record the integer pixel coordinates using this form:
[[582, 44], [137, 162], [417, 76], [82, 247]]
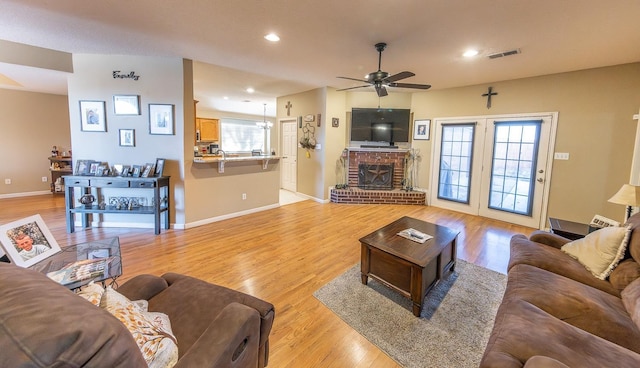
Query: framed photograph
[[126, 104], [117, 169], [160, 119], [159, 167], [27, 241], [93, 116], [422, 129], [126, 170], [83, 167], [93, 167], [335, 122], [127, 137], [136, 170], [147, 171]]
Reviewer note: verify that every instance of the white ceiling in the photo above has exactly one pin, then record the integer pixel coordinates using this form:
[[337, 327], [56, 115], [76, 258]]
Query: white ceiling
[[321, 40]]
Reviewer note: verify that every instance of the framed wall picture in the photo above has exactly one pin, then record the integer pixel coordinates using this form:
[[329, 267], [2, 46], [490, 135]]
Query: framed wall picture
[[93, 116], [159, 167], [126, 104], [160, 119], [27, 241], [127, 137], [335, 122], [422, 129], [82, 167]]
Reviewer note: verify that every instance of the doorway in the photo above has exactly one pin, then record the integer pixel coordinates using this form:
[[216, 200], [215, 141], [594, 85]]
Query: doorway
[[289, 152], [494, 166]]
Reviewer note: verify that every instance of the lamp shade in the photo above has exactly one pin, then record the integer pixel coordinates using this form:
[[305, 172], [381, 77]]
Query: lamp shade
[[628, 195]]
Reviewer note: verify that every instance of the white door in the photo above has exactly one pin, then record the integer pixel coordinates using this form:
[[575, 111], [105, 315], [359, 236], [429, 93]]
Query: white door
[[494, 166], [289, 149]]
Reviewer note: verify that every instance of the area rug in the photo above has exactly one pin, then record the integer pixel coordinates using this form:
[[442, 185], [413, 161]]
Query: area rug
[[453, 327]]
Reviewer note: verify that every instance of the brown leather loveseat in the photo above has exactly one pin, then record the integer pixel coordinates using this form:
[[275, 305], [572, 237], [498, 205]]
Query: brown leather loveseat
[[44, 324], [555, 313]]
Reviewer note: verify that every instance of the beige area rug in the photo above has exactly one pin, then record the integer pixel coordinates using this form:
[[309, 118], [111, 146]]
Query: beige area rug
[[453, 328]]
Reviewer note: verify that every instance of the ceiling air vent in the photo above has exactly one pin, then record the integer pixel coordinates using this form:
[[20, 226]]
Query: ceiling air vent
[[504, 53]]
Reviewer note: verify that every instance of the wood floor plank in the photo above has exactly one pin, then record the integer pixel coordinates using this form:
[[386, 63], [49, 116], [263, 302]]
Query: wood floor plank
[[281, 255]]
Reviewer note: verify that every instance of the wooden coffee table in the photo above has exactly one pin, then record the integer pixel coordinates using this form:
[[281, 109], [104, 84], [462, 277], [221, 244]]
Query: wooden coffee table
[[409, 267]]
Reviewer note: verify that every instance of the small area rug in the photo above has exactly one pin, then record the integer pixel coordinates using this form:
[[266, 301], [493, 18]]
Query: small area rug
[[453, 328]]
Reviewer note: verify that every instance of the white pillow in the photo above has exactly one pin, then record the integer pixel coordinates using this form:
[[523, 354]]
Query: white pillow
[[601, 250]]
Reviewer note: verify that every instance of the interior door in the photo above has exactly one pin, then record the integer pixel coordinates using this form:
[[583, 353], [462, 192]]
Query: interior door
[[494, 166], [289, 149]]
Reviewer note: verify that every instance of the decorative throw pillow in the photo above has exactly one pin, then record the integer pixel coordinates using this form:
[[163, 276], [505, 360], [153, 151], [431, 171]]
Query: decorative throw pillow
[[601, 250], [92, 292], [631, 300], [158, 346]]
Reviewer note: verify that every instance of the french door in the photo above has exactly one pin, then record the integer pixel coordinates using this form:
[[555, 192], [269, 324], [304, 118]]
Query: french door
[[494, 166]]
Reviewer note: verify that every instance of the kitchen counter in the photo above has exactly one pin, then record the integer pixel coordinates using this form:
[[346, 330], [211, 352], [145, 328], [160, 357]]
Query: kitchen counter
[[209, 158], [218, 158]]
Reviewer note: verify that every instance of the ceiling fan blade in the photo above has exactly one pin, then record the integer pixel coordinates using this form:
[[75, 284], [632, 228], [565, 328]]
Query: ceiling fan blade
[[410, 85], [344, 89], [381, 91], [355, 79], [396, 77]]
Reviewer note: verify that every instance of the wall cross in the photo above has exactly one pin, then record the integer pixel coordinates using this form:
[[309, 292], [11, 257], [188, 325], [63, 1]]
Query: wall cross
[[288, 106], [488, 96]]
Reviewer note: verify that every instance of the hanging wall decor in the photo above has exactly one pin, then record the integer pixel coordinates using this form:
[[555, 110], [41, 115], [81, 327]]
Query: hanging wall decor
[[308, 140]]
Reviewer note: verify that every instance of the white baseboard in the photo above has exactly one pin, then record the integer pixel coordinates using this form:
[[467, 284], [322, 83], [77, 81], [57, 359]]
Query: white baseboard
[[224, 217], [24, 194]]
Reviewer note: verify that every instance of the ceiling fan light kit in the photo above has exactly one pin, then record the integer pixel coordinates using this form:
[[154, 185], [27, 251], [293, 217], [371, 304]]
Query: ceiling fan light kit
[[381, 79]]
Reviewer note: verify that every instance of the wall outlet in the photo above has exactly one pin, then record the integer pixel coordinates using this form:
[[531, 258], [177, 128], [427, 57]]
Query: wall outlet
[[45, 179], [561, 156], [7, 181], [244, 196]]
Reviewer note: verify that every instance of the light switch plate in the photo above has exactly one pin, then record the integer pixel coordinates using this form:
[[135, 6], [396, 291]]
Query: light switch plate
[[561, 156]]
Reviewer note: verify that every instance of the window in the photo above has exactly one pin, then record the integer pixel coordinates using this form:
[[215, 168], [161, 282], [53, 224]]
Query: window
[[238, 135], [456, 156]]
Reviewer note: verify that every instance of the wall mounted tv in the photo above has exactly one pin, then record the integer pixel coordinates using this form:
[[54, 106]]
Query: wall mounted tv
[[388, 126]]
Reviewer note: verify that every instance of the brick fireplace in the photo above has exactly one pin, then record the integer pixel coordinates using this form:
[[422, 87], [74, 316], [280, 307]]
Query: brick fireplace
[[375, 175]]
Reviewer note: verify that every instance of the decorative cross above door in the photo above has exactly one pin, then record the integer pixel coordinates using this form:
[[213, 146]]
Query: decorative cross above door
[[488, 96]]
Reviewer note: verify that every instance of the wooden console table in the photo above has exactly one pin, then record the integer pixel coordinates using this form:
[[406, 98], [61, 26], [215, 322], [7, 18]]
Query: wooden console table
[[86, 183]]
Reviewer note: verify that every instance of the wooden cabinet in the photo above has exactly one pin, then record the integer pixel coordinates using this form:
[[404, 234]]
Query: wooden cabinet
[[208, 130], [59, 166]]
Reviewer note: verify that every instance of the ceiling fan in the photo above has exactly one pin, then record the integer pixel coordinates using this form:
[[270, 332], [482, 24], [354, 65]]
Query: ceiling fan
[[380, 80]]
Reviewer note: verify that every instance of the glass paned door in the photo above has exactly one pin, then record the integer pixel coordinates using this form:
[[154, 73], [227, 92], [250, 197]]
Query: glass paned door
[[455, 162], [494, 167], [515, 149]]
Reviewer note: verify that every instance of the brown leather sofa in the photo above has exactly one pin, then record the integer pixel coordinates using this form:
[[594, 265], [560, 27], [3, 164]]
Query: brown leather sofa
[[555, 313], [44, 324]]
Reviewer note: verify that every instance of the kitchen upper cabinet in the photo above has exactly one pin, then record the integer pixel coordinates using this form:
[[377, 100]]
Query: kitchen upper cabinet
[[209, 129]]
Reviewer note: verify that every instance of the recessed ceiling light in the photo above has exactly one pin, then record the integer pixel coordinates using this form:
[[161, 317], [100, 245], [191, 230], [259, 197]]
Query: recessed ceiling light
[[226, 97], [250, 90], [470, 53], [272, 37]]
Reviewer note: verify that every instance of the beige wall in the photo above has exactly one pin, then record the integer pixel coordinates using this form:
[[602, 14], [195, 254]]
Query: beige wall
[[31, 123], [161, 81], [595, 127]]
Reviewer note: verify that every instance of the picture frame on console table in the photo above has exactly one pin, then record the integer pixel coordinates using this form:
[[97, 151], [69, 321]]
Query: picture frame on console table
[[422, 129], [27, 241]]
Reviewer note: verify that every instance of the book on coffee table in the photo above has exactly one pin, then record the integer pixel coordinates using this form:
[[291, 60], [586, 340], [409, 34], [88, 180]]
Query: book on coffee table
[[415, 235]]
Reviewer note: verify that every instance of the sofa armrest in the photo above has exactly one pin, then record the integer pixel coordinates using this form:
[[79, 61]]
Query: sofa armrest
[[550, 239], [143, 287], [231, 340]]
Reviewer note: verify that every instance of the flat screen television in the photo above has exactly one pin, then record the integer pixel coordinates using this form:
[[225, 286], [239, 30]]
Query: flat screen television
[[380, 126]]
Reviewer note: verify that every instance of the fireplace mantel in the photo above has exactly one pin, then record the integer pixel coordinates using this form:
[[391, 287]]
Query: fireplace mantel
[[377, 149]]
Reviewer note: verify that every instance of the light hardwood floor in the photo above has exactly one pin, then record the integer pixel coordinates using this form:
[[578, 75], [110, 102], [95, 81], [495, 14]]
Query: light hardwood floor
[[281, 255]]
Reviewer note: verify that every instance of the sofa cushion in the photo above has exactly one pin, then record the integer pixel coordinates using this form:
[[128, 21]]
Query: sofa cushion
[[525, 251], [634, 242], [79, 335], [601, 251], [631, 301], [157, 344], [623, 275]]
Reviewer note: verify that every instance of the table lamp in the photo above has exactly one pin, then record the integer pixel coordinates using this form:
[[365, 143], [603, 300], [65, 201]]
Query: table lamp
[[628, 195]]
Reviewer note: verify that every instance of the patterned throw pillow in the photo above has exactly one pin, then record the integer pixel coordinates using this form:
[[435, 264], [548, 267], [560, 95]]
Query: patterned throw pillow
[[157, 344], [92, 292]]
